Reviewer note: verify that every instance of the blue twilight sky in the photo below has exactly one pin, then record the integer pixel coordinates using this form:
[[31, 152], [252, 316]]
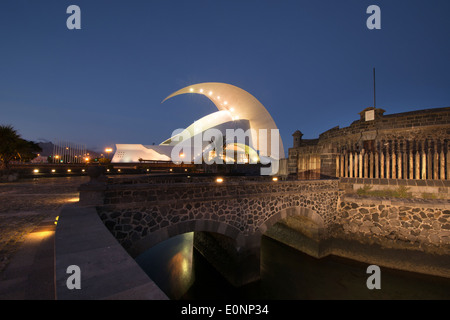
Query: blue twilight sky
[[308, 62]]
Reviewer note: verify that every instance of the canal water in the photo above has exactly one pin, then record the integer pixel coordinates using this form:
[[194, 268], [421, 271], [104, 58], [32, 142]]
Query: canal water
[[184, 274]]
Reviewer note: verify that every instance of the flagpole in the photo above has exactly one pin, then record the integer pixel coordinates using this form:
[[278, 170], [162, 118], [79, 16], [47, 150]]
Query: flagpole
[[374, 101]]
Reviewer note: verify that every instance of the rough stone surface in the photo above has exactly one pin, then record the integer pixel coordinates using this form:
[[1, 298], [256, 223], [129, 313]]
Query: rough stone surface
[[235, 209], [417, 223]]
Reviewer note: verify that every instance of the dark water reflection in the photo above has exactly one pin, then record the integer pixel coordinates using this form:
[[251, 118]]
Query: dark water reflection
[[286, 273]]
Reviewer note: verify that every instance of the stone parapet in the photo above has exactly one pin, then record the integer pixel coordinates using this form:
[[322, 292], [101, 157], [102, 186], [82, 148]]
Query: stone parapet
[[414, 224], [238, 209], [412, 188]]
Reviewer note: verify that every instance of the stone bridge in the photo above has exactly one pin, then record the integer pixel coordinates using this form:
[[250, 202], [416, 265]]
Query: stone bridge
[[228, 218]]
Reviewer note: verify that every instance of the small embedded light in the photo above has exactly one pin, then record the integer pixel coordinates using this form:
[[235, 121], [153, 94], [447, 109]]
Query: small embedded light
[[191, 89], [219, 180], [231, 109], [218, 97], [53, 170], [201, 90], [107, 170], [182, 155], [210, 93], [148, 170], [170, 169], [36, 170], [274, 179], [82, 170], [185, 170], [118, 170], [69, 170]]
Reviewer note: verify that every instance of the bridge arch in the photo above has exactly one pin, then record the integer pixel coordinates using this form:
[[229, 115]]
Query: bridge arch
[[157, 236], [291, 212]]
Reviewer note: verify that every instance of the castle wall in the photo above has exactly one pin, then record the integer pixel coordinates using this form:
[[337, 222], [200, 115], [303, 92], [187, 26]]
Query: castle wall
[[411, 145]]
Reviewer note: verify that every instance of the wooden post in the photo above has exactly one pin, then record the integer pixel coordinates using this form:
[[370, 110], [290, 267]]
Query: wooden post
[[377, 173], [351, 165], [300, 166], [424, 164], [448, 163], [429, 162], [371, 168], [337, 166], [388, 165], [394, 165], [404, 161], [417, 165], [361, 162], [411, 165], [366, 167], [346, 164], [436, 164]]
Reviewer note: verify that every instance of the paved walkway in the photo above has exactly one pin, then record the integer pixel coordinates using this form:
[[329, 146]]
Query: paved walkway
[[34, 251], [30, 273], [107, 271], [28, 210]]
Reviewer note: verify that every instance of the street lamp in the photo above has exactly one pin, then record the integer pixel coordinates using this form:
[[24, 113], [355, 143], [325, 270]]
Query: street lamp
[[108, 150]]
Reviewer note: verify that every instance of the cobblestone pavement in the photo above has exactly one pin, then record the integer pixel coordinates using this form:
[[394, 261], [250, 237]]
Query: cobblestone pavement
[[25, 204]]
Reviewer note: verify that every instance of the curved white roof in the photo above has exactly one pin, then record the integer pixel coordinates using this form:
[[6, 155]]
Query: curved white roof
[[211, 120], [240, 105]]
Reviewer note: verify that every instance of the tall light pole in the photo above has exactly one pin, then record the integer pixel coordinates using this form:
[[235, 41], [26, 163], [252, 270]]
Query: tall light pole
[[108, 150]]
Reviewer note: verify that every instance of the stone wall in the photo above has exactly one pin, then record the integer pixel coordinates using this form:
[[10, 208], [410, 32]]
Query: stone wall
[[413, 188], [423, 130], [406, 122], [236, 209], [413, 224]]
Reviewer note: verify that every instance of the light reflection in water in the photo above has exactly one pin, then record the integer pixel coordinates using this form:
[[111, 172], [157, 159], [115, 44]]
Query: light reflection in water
[[169, 264], [286, 273]]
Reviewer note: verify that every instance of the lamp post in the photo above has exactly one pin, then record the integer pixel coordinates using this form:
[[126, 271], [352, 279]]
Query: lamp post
[[108, 150]]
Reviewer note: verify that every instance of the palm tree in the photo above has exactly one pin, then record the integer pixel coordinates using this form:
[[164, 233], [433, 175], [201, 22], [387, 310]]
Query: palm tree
[[12, 146], [8, 141]]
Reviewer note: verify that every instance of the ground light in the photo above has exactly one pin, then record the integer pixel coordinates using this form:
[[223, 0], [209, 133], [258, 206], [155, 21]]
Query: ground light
[[219, 180]]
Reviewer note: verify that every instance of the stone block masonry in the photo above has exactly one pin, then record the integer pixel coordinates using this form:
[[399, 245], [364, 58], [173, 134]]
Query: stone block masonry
[[238, 209], [409, 223]]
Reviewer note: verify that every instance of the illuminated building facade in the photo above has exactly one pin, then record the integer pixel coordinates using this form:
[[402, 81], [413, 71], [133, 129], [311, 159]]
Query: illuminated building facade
[[241, 131]]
